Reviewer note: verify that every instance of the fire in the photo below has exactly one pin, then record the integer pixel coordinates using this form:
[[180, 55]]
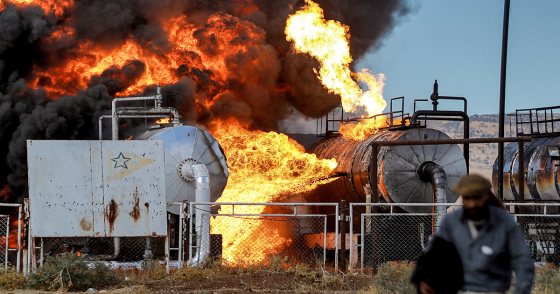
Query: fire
[[164, 120], [58, 7], [363, 129], [13, 236], [5, 194], [327, 41], [264, 167]]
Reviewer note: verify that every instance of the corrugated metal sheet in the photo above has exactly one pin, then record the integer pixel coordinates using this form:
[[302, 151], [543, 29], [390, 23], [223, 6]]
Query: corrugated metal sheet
[[97, 188]]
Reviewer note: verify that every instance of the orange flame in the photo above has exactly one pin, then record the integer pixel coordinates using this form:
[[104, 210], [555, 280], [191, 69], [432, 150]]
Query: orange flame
[[5, 195], [164, 120], [57, 7], [327, 41], [264, 167]]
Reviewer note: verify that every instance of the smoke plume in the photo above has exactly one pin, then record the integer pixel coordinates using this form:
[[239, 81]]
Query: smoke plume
[[215, 59]]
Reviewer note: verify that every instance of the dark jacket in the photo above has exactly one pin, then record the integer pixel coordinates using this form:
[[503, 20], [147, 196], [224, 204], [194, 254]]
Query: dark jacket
[[488, 260], [440, 266]]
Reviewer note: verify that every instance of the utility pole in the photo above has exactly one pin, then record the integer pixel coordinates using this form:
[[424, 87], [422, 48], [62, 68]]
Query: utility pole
[[501, 120]]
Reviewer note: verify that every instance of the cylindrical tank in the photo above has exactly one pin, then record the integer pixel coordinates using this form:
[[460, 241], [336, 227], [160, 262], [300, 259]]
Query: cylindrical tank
[[397, 168], [541, 173], [188, 145]]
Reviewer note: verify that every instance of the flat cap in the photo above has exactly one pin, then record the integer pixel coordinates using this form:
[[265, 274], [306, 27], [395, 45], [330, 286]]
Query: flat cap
[[472, 185]]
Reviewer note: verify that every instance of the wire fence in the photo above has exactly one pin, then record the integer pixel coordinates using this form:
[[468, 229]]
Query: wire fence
[[245, 239], [290, 233], [121, 251], [542, 234], [4, 238], [396, 236], [392, 237]]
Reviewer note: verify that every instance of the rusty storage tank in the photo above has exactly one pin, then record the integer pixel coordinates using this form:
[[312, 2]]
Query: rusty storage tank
[[188, 145], [398, 168], [541, 172]]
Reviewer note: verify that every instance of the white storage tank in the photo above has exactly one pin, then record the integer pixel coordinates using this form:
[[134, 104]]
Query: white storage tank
[[184, 146]]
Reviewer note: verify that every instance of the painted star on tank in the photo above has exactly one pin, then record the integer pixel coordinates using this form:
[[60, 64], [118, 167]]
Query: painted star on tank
[[120, 161]]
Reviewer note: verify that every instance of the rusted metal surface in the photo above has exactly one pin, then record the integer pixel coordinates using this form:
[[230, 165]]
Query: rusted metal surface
[[395, 172], [539, 174], [97, 188], [187, 145]]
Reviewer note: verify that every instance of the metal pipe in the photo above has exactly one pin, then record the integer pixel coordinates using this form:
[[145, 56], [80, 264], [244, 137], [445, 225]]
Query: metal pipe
[[180, 253], [451, 141], [115, 119], [158, 109], [161, 110], [521, 172], [501, 118], [462, 114], [116, 251], [7, 244], [124, 116], [336, 241], [431, 172], [201, 194], [18, 259], [343, 234]]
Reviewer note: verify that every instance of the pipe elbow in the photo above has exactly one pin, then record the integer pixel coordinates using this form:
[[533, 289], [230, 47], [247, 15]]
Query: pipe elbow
[[201, 176]]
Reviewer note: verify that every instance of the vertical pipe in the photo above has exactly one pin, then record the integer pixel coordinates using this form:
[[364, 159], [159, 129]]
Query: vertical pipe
[[7, 244], [166, 242], [190, 234], [30, 250], [18, 259], [336, 241], [114, 121], [343, 260], [466, 135], [101, 128], [42, 253], [503, 100], [181, 242], [325, 243], [362, 231], [351, 241], [34, 258]]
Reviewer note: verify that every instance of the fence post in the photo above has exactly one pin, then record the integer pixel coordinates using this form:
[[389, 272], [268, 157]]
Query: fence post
[[343, 259]]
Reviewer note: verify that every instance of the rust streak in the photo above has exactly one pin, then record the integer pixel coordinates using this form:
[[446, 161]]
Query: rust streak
[[111, 213], [135, 213]]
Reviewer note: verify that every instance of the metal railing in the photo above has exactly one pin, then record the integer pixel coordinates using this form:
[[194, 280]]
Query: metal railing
[[536, 122], [283, 229], [390, 236], [396, 236], [11, 244]]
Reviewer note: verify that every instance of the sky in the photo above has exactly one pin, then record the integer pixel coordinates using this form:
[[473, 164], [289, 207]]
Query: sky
[[459, 44]]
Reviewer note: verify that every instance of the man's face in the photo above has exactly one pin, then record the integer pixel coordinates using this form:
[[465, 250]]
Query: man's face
[[475, 206]]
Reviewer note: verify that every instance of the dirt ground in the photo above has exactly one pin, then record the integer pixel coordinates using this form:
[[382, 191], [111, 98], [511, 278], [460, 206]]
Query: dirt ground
[[260, 282], [257, 282]]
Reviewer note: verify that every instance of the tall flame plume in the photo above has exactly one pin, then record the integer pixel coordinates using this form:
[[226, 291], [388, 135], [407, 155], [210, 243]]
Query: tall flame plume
[[328, 42]]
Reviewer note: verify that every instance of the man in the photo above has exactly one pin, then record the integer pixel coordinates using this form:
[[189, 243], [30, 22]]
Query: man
[[489, 242]]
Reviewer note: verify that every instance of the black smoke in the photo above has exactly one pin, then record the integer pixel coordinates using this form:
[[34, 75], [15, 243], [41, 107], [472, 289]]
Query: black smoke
[[268, 80]]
